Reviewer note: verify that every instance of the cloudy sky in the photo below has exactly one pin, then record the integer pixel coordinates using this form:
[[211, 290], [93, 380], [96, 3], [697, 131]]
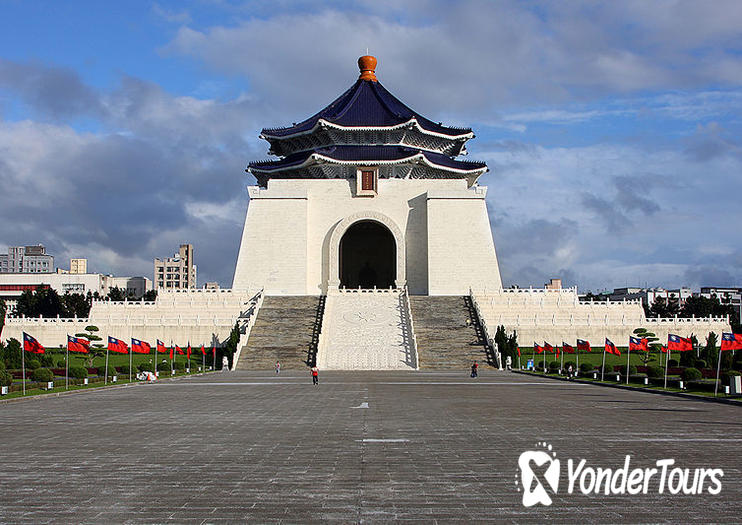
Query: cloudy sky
[[612, 130]]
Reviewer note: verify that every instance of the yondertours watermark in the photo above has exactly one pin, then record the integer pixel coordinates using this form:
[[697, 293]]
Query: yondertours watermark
[[540, 473]]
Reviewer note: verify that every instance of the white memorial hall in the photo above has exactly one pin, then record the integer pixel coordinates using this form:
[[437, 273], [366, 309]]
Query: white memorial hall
[[367, 245]]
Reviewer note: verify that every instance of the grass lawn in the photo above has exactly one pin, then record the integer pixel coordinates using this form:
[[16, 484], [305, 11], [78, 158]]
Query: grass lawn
[[596, 358]]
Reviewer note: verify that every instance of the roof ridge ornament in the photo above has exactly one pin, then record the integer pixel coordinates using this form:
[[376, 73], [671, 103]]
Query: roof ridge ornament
[[367, 65]]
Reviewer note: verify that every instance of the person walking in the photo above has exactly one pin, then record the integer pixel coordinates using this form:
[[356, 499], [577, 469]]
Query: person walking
[[225, 364], [315, 375], [474, 369], [278, 367]]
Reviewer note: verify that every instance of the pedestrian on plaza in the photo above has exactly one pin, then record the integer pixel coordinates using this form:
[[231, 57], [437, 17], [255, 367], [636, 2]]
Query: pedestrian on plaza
[[315, 375], [569, 372], [225, 364], [509, 363], [474, 368], [278, 367]]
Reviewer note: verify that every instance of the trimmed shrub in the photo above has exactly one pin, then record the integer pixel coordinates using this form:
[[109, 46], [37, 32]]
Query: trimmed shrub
[[540, 365], [691, 374], [111, 371], [553, 366], [46, 360], [78, 372], [42, 375], [726, 375], [586, 368], [655, 371], [61, 363], [5, 378], [632, 370], [179, 365], [163, 366], [125, 370], [700, 364], [2, 364], [33, 364], [607, 368], [672, 363], [145, 367]]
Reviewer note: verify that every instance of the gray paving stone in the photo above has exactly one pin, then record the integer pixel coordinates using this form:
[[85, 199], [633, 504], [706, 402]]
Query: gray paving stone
[[250, 446]]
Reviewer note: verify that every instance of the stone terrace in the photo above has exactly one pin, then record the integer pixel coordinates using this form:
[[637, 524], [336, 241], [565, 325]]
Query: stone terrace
[[430, 446]]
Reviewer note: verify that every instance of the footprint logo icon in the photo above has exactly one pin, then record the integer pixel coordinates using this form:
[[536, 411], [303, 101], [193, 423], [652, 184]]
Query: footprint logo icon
[[539, 475]]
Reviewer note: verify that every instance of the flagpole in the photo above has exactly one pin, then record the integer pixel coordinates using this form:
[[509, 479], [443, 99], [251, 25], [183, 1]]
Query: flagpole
[[533, 357], [667, 364], [23, 366], [577, 355], [67, 367], [718, 367], [203, 360], [562, 358], [602, 368], [628, 355], [172, 355], [105, 376]]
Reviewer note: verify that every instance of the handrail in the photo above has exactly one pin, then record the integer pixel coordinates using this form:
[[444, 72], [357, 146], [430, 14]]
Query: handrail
[[408, 310], [244, 336]]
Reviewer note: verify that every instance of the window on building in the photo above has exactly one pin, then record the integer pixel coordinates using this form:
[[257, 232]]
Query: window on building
[[367, 181]]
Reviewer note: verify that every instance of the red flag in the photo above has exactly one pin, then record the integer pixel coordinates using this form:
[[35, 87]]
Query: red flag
[[738, 338], [518, 350], [77, 344], [611, 348], [567, 349], [171, 353], [729, 342], [32, 345], [663, 348], [203, 350], [140, 347], [537, 348], [179, 350], [188, 351], [680, 344], [548, 347], [583, 346], [117, 345], [638, 344], [161, 347]]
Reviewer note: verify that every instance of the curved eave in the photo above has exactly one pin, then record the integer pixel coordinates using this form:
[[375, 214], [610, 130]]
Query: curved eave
[[412, 123], [316, 158]]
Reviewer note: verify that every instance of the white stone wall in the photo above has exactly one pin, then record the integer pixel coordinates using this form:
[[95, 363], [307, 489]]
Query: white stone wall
[[555, 316], [286, 240], [199, 316]]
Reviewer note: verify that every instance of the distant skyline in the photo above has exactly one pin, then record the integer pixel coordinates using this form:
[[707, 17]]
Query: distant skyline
[[612, 130]]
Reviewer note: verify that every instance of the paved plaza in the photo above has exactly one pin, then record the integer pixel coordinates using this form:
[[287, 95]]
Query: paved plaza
[[361, 447]]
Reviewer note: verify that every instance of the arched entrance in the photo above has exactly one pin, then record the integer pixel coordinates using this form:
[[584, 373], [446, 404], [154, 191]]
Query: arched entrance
[[368, 256]]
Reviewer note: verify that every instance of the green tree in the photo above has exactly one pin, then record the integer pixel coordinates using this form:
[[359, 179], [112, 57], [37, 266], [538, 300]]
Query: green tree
[[662, 307], [3, 312], [96, 349], [116, 294], [234, 339], [44, 302], [150, 295], [76, 304], [12, 354], [710, 352], [652, 343], [507, 345]]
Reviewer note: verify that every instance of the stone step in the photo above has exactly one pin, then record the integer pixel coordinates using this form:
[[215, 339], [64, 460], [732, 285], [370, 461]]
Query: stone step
[[444, 340], [285, 330]]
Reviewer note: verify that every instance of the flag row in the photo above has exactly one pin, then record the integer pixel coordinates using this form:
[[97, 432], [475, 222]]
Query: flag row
[[675, 343], [82, 345]]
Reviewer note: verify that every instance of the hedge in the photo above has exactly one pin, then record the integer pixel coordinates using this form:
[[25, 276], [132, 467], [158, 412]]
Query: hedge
[[33, 364], [691, 374], [6, 379], [144, 367], [78, 372], [586, 368], [42, 375]]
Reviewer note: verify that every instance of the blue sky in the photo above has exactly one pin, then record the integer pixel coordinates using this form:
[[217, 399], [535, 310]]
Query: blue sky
[[612, 130]]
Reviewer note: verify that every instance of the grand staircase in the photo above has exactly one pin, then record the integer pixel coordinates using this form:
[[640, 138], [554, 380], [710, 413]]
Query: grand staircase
[[286, 330], [444, 339], [367, 330]]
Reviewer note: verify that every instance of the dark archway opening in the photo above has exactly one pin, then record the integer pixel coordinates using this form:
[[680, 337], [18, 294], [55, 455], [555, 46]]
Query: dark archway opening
[[368, 256]]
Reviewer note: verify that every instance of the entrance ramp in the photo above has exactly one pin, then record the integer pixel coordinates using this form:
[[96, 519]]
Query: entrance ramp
[[367, 330]]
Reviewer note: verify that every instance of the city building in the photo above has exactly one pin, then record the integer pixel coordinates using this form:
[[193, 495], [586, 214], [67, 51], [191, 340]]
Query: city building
[[26, 259], [177, 272], [553, 284], [78, 266], [13, 285], [649, 295], [732, 296]]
